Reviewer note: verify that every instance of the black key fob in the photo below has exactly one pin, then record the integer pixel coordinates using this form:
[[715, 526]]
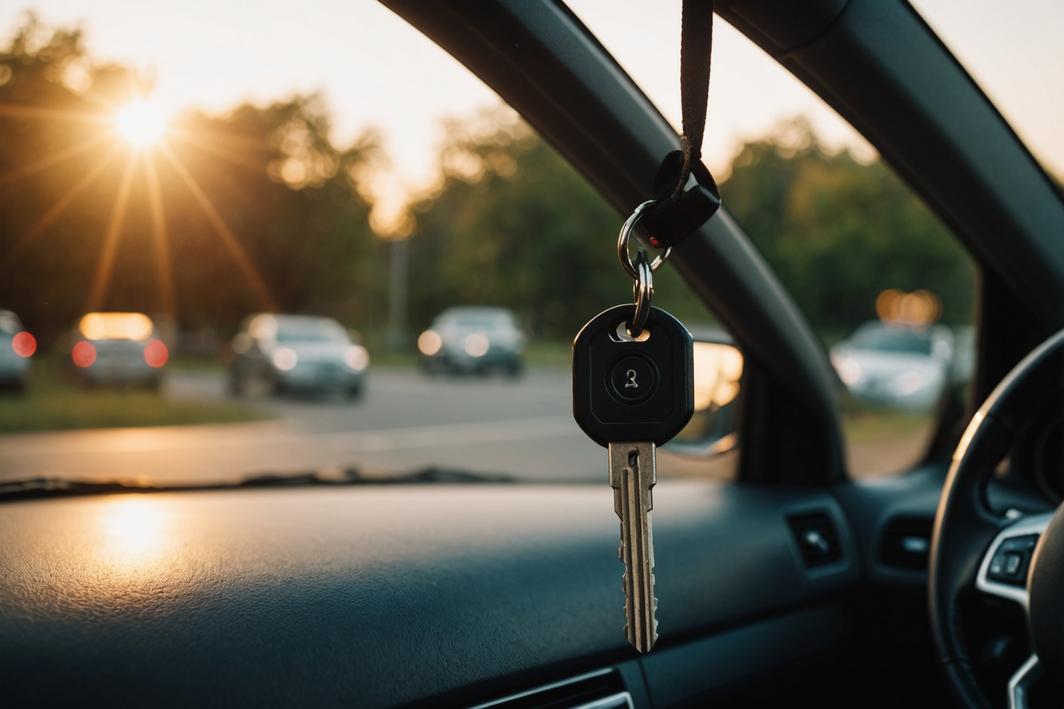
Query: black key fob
[[627, 389]]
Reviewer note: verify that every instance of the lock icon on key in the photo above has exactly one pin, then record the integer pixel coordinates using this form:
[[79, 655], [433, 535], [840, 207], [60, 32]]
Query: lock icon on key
[[633, 378]]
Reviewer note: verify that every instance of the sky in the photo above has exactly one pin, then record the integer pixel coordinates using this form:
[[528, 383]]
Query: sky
[[377, 71]]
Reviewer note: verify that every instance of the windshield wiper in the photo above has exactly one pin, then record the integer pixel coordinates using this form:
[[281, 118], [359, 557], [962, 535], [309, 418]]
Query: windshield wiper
[[51, 487]]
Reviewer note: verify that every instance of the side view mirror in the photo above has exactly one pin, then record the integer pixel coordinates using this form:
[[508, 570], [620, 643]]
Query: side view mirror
[[718, 374]]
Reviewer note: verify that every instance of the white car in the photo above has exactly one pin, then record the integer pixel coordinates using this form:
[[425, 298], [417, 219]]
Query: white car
[[297, 353], [17, 346], [895, 365], [467, 339]]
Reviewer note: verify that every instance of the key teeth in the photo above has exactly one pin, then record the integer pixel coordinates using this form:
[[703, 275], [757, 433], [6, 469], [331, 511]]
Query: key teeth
[[637, 583]]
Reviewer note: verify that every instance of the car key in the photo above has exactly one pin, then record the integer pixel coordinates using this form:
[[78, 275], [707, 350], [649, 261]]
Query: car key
[[632, 394]]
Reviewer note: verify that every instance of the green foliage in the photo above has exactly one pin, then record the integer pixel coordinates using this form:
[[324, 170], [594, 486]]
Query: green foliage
[[260, 210], [258, 195], [838, 231], [513, 224], [54, 402]]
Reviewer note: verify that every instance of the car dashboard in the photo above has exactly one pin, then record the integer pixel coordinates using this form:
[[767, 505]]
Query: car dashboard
[[450, 594]]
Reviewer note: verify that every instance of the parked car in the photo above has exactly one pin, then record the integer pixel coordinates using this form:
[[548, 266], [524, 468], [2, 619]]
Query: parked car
[[290, 353], [17, 346], [895, 365], [466, 339], [115, 348]]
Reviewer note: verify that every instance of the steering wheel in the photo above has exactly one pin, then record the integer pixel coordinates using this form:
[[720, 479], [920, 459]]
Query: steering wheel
[[1021, 560]]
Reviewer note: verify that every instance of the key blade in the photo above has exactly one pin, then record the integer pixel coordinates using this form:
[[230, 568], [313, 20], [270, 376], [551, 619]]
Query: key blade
[[632, 477]]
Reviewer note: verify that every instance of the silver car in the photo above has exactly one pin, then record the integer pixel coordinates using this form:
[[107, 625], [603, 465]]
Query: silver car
[[297, 353], [17, 346], [118, 349], [468, 339], [895, 365]]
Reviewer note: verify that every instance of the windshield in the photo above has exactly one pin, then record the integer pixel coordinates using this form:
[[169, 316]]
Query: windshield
[[288, 271], [149, 196], [486, 321], [311, 333], [887, 339]]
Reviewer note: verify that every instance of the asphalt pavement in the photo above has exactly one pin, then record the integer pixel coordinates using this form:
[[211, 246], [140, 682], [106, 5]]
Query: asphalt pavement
[[406, 420]]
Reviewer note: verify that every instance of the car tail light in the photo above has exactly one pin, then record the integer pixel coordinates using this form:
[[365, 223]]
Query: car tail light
[[24, 344], [156, 354], [83, 354]]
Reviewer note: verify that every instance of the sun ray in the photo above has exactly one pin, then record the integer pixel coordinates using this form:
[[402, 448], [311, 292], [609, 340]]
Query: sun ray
[[58, 208], [99, 100], [51, 114], [46, 162], [231, 156], [163, 264], [236, 250], [102, 277]]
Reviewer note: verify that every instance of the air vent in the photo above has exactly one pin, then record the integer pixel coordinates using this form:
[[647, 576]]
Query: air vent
[[816, 538], [599, 690], [906, 542]]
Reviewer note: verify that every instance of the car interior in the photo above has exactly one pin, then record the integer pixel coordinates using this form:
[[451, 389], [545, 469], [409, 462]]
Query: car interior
[[793, 583]]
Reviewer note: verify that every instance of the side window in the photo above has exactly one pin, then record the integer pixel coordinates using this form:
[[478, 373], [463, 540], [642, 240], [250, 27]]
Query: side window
[[883, 284]]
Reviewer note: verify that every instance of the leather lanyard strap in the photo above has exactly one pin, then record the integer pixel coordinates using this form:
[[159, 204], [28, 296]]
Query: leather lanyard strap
[[696, 48], [678, 209]]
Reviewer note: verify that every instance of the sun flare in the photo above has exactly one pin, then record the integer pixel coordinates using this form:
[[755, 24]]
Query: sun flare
[[141, 123]]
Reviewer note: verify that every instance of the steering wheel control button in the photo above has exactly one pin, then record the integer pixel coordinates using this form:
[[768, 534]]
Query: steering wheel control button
[[633, 379], [1012, 559]]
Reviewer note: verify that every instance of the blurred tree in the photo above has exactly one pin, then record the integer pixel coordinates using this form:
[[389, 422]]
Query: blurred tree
[[256, 209], [838, 231], [511, 223]]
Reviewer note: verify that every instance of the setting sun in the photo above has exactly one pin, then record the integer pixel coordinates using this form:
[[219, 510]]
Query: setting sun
[[141, 123]]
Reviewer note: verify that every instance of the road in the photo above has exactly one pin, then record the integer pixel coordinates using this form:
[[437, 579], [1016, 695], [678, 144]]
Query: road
[[521, 428]]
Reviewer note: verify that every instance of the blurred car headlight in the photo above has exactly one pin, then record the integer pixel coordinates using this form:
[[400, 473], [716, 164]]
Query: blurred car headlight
[[356, 357], [849, 371], [476, 344], [429, 343], [284, 359]]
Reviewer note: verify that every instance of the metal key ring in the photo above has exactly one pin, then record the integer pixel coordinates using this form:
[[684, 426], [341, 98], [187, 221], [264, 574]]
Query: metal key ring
[[642, 293], [625, 236]]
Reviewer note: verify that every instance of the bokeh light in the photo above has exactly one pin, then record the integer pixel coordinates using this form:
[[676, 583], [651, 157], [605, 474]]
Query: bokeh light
[[83, 354], [24, 344], [476, 344], [429, 343], [156, 354], [921, 307], [285, 359], [116, 326]]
